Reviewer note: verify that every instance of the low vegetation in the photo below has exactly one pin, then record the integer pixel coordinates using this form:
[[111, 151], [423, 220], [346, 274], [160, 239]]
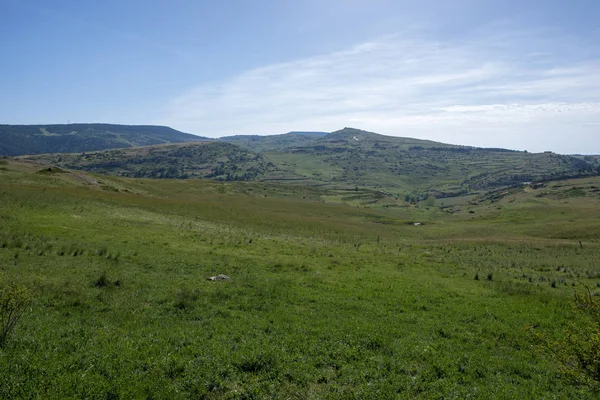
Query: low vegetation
[[327, 298], [14, 301], [220, 161], [578, 353]]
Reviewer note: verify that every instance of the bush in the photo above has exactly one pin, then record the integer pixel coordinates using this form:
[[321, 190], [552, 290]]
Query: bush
[[185, 299], [14, 300], [103, 281], [578, 353]]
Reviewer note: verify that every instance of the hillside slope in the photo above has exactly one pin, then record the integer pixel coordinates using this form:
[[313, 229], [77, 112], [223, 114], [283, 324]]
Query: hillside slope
[[259, 143], [348, 159], [216, 160], [76, 138], [353, 157], [325, 300]]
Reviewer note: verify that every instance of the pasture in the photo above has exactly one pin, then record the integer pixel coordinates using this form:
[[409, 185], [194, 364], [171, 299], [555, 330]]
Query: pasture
[[327, 299]]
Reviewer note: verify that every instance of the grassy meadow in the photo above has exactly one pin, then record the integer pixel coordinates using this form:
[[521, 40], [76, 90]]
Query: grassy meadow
[[329, 297]]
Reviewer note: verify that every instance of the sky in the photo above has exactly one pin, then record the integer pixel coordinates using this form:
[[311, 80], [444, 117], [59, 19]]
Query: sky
[[521, 74]]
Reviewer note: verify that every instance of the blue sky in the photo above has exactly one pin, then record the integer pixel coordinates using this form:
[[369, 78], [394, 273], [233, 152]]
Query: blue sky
[[514, 74]]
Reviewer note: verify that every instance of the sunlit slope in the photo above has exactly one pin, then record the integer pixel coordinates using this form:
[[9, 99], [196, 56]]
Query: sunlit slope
[[352, 157], [325, 300]]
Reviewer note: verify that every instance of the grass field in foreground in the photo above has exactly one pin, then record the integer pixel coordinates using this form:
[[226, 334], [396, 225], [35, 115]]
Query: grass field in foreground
[[325, 301]]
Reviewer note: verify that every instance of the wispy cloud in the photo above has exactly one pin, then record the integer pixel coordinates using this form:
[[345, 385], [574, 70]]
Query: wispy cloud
[[518, 90]]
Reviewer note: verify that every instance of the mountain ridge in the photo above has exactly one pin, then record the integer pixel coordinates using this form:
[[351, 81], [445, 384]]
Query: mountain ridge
[[346, 159], [81, 137]]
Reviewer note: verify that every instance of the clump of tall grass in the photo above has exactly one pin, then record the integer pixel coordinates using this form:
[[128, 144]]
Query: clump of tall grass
[[14, 301], [578, 351], [185, 299], [103, 281]]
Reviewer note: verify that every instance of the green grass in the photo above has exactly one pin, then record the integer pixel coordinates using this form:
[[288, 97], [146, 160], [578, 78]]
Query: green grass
[[327, 300]]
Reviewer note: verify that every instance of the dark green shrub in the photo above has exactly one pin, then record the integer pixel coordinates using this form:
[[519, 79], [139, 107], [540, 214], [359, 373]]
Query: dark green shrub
[[578, 352], [185, 299], [14, 300], [256, 363], [102, 280]]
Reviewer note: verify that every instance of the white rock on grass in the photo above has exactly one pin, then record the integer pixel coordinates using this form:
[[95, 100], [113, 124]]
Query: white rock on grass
[[219, 278]]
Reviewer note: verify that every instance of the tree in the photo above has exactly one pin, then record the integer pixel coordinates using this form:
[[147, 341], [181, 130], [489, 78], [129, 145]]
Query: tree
[[430, 201]]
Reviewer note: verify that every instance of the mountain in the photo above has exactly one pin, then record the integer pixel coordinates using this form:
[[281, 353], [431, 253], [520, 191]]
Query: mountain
[[348, 159], [352, 157], [259, 143], [347, 137], [589, 158], [216, 160], [308, 133], [76, 138]]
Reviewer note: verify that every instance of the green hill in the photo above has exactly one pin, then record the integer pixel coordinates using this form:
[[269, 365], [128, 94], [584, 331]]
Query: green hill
[[344, 160], [221, 161], [74, 138], [259, 143], [352, 157], [589, 158], [347, 137]]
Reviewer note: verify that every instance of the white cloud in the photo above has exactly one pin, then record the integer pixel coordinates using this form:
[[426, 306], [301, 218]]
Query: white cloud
[[502, 91]]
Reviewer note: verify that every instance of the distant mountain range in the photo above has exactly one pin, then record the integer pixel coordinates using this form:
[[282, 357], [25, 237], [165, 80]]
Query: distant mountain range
[[352, 157], [74, 138], [345, 159]]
